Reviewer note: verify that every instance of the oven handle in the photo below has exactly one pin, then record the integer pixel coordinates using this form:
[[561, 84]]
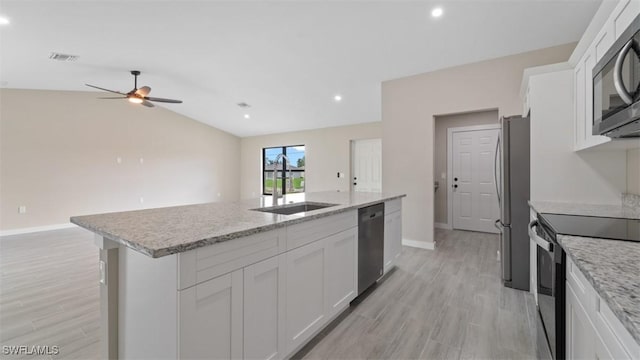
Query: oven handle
[[540, 241], [617, 71]]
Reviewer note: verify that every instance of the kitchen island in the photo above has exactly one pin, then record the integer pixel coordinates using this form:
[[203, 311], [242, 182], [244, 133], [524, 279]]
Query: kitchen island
[[231, 280]]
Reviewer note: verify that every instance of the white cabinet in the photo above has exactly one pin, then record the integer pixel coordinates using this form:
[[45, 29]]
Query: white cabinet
[[619, 19], [305, 293], [342, 270], [210, 319], [392, 234], [580, 332], [264, 306], [592, 330]]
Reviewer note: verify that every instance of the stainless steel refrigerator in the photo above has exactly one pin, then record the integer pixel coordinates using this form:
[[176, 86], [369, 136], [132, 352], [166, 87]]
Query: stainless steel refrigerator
[[512, 184]]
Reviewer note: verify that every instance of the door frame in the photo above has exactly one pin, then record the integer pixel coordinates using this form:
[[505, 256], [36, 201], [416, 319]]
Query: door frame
[[450, 132], [352, 162]]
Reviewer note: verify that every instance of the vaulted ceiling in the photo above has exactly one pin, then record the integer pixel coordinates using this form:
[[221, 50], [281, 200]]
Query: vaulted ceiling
[[286, 59]]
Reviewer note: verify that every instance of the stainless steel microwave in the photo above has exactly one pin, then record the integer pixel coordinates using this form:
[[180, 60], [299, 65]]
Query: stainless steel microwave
[[616, 87]]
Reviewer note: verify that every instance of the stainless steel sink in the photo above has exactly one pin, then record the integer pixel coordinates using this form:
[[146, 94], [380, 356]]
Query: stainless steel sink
[[291, 209]]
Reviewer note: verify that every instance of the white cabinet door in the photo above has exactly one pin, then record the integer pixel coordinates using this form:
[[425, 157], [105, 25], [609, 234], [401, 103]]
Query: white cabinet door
[[211, 319], [392, 239], [342, 270], [264, 304], [580, 333], [305, 293], [388, 243]]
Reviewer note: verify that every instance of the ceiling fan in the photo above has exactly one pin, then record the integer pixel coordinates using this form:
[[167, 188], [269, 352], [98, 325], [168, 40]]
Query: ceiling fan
[[137, 96]]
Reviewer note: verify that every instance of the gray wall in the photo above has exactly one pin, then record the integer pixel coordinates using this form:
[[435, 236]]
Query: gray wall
[[442, 123], [58, 152], [327, 152], [408, 109]]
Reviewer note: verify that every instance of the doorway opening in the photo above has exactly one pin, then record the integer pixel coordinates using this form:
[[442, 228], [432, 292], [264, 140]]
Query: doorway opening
[[464, 185]]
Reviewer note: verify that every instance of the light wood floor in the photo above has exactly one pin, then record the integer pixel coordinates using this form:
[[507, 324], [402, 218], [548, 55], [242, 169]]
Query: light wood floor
[[442, 304]]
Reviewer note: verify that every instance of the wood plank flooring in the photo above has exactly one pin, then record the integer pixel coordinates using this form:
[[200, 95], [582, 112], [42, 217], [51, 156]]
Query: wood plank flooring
[[442, 304]]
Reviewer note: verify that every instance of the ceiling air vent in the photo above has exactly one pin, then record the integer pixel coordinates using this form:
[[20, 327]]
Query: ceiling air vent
[[244, 105], [62, 57]]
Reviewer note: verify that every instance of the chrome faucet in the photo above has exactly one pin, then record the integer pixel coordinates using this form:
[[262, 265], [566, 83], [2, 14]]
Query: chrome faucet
[[277, 196]]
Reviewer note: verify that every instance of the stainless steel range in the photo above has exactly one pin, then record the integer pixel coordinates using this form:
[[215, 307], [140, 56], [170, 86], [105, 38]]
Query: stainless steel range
[[551, 269]]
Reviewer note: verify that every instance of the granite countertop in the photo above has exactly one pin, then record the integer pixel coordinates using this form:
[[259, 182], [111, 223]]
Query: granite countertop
[[613, 268], [164, 231], [615, 211]]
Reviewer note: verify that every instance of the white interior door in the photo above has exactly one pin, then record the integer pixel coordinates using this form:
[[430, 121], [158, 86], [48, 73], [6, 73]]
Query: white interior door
[[475, 203], [366, 163]]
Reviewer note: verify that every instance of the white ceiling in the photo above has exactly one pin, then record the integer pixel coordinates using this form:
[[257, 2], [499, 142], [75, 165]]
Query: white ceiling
[[286, 59]]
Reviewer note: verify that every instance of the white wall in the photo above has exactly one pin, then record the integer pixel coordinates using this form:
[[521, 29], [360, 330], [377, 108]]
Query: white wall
[[408, 109], [58, 153], [557, 172], [327, 153]]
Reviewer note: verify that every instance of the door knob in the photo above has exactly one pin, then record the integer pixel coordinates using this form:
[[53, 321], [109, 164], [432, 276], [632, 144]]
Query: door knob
[[355, 184], [355, 178], [455, 186], [455, 179]]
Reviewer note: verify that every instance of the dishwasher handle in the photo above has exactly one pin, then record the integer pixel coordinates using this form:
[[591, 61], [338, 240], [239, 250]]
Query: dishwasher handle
[[369, 216]]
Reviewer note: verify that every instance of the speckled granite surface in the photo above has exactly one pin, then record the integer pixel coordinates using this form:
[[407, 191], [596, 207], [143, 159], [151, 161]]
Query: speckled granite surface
[[613, 268], [164, 231], [616, 211]]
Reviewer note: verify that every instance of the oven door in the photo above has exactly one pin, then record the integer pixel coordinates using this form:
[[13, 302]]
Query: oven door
[[546, 287]]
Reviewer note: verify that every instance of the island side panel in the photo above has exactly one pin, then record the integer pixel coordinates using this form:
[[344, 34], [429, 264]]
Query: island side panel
[[109, 284], [148, 306]]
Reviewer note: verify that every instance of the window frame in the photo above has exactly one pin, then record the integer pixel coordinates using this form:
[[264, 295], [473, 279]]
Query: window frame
[[284, 169]]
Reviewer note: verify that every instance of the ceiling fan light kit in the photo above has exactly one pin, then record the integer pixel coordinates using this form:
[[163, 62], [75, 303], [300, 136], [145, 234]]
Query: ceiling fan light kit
[[137, 96]]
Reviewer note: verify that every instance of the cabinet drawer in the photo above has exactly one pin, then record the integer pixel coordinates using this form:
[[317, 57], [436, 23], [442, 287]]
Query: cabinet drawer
[[392, 206], [208, 262], [310, 231]]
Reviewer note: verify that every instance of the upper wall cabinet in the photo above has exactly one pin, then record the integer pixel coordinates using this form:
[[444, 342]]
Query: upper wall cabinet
[[620, 18]]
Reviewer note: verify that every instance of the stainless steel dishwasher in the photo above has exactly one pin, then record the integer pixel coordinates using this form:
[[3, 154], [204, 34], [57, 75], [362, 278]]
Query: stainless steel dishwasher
[[370, 245]]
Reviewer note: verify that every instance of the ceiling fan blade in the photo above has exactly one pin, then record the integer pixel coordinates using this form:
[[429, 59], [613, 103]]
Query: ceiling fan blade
[[147, 104], [163, 100], [103, 89], [114, 97], [143, 91]]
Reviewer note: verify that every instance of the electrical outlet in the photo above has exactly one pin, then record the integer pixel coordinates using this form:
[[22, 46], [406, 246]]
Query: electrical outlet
[[22, 209], [119, 160], [141, 199], [219, 195]]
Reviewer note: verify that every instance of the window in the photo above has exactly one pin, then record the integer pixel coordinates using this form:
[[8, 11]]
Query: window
[[296, 156]]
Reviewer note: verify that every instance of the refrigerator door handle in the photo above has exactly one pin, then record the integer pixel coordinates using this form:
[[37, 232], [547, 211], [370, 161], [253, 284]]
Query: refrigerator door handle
[[498, 225], [495, 170]]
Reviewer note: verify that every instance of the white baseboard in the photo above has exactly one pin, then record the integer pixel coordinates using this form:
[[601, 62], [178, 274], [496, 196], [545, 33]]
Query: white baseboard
[[442, 226], [429, 245], [36, 229]]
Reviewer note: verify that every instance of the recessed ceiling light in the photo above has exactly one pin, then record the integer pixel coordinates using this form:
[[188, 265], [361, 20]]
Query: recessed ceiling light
[[4, 20], [246, 116], [337, 98], [436, 12]]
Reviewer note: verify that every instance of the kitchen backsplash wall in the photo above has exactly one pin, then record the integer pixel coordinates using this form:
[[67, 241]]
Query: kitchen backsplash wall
[[59, 153], [633, 171]]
